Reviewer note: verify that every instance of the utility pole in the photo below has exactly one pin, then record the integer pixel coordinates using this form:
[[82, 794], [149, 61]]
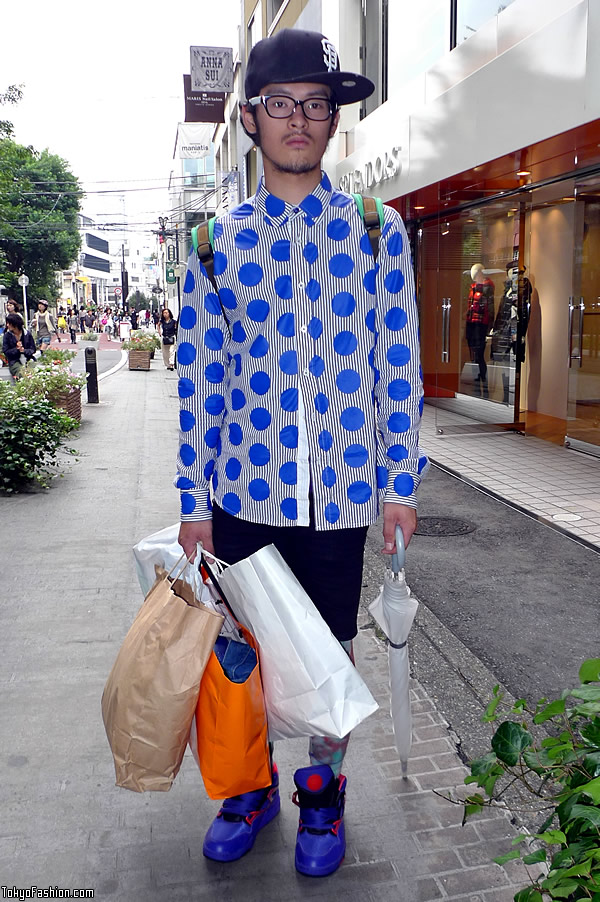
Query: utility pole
[[124, 281], [177, 265]]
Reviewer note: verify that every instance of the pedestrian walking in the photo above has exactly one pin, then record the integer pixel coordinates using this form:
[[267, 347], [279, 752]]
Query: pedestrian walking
[[89, 321], [300, 393], [43, 326], [73, 323], [167, 329], [18, 345]]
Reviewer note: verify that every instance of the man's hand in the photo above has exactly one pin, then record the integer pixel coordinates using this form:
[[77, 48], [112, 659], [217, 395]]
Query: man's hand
[[193, 531], [403, 516]]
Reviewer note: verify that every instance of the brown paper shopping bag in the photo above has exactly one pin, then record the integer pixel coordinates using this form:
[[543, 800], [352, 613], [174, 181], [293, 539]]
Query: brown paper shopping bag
[[152, 690]]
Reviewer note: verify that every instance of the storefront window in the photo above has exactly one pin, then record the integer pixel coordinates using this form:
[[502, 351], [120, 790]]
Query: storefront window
[[472, 14]]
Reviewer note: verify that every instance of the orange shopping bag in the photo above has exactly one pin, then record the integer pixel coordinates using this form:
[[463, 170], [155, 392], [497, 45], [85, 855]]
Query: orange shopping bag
[[230, 735]]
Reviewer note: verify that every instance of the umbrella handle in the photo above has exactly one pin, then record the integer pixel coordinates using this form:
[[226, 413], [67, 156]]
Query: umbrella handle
[[399, 556]]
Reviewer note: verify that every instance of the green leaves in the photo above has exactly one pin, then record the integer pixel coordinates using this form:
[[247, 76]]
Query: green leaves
[[589, 672], [551, 710], [509, 740]]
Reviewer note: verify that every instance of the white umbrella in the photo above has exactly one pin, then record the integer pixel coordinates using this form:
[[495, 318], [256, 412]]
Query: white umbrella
[[394, 610]]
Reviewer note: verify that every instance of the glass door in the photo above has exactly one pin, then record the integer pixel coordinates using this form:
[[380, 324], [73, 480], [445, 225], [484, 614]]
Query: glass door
[[583, 407]]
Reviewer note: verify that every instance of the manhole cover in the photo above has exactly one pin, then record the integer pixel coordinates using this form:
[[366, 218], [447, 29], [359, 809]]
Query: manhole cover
[[443, 526]]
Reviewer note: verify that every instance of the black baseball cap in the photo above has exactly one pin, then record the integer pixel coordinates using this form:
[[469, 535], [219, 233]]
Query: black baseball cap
[[294, 55]]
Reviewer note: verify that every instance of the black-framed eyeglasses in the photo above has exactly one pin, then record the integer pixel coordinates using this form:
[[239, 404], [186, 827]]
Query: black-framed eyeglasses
[[280, 106]]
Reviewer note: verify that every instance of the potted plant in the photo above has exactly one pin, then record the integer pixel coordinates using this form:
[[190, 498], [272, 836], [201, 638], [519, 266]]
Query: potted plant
[[140, 346], [55, 383], [91, 340]]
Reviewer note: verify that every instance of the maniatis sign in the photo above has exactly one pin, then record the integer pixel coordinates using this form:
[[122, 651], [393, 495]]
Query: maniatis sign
[[211, 68]]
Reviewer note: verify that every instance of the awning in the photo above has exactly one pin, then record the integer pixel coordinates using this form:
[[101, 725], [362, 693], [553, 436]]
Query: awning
[[84, 279]]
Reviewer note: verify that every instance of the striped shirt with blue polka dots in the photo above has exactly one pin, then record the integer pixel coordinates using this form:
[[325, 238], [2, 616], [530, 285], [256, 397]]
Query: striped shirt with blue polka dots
[[302, 375]]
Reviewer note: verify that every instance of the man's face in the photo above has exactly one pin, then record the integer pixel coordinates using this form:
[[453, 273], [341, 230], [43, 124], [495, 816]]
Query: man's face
[[297, 144]]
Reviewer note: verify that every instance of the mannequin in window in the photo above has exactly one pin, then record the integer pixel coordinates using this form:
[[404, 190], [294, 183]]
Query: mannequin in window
[[505, 333], [480, 315]]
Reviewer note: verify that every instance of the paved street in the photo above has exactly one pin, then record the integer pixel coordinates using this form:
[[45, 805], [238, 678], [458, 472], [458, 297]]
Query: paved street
[[69, 594]]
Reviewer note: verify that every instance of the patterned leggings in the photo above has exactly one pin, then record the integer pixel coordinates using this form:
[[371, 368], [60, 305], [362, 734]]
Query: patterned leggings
[[323, 749]]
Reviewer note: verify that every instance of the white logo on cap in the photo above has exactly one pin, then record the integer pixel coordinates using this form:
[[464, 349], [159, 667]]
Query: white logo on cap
[[329, 55]]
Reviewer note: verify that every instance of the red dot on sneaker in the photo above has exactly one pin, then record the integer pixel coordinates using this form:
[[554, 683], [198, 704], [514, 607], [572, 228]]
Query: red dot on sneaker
[[314, 783]]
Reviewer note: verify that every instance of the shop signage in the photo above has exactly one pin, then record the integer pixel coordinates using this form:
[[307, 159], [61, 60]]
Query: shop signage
[[202, 106], [211, 68], [375, 170], [194, 140]]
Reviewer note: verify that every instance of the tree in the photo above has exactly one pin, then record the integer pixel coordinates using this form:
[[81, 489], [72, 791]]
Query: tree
[[13, 94], [138, 301], [39, 202]]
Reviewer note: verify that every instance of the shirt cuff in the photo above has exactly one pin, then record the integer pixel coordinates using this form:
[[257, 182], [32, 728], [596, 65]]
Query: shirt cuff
[[195, 505], [402, 488]]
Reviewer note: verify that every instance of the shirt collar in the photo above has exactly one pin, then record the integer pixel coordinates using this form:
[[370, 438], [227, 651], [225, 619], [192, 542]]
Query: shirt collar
[[277, 212]]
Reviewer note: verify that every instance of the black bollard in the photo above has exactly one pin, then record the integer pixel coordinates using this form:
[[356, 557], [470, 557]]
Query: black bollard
[[91, 368]]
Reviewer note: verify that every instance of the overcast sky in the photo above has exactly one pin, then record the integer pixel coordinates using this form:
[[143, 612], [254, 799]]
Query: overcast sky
[[103, 86]]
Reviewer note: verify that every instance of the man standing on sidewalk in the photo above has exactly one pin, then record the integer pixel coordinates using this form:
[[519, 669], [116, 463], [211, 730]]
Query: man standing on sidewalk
[[300, 392]]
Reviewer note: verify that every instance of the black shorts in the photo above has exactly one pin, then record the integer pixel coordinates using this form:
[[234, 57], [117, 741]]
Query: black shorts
[[328, 564]]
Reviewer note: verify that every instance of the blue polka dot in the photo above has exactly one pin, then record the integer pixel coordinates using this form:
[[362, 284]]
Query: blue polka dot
[[325, 440], [212, 436], [219, 263], [313, 290], [186, 388], [398, 355], [352, 418], [422, 463], [315, 328], [397, 452], [345, 343], [394, 244], [312, 205], [187, 420], [338, 229], [258, 310], [343, 304], [365, 245], [259, 489], [250, 274], [280, 250], [382, 477], [285, 325], [184, 483], [341, 265], [348, 381], [399, 390], [288, 363], [274, 205], [246, 239], [241, 212], [233, 468], [421, 405], [213, 339], [288, 436], [394, 281], [288, 473], [289, 400], [237, 333], [260, 382], [370, 281], [396, 319], [236, 436], [186, 353], [283, 287], [209, 469], [359, 492], [370, 320], [386, 229], [190, 282], [328, 476], [238, 399], [321, 403], [237, 359], [187, 455], [211, 304], [399, 422], [325, 182], [187, 317], [260, 346], [231, 503], [316, 366], [228, 298], [356, 456], [311, 252], [340, 200], [289, 508], [404, 484], [259, 455], [214, 405], [332, 512], [217, 230], [188, 504], [260, 418]]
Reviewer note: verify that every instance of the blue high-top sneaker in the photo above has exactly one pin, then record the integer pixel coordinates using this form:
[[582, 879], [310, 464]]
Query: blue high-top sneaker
[[236, 826], [321, 842]]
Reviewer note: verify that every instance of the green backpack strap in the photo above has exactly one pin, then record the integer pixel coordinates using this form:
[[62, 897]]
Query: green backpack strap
[[203, 237], [371, 211]]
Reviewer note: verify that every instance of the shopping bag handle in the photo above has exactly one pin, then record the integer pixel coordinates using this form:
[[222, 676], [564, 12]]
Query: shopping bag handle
[[213, 578], [399, 556]]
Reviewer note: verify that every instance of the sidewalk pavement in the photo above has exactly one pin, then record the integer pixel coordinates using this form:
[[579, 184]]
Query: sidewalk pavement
[[69, 594]]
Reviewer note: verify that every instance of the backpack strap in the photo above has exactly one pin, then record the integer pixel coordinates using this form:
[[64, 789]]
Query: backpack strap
[[202, 241], [371, 211]]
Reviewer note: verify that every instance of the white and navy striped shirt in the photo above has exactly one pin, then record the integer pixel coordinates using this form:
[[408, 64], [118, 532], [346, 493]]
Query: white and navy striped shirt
[[303, 374]]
